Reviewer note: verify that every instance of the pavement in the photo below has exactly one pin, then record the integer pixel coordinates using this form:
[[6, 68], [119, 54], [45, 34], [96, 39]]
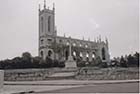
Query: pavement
[[67, 82], [11, 87]]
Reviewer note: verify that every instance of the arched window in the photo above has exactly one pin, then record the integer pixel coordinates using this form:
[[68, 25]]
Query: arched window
[[81, 55], [42, 24], [67, 43], [86, 45], [87, 54], [41, 53], [93, 55], [74, 44], [49, 23], [103, 53], [74, 53], [66, 54], [49, 53], [42, 41]]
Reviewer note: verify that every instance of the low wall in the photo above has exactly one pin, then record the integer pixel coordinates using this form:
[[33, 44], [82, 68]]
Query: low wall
[[108, 74], [31, 74], [83, 74], [1, 79]]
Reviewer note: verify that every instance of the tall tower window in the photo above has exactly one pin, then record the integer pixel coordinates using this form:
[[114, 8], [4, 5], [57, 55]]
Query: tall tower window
[[42, 24], [42, 41], [49, 23], [41, 53], [103, 53]]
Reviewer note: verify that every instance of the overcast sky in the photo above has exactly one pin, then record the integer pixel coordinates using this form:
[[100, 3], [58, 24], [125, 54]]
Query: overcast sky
[[116, 19]]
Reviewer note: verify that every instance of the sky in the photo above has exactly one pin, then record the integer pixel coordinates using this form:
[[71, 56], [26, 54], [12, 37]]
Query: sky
[[118, 20]]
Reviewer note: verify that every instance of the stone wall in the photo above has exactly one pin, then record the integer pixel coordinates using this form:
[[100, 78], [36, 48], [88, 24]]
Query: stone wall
[[108, 74], [1, 78], [83, 74], [31, 74], [27, 74]]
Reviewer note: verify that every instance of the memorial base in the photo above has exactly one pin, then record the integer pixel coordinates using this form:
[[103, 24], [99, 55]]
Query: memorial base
[[70, 63]]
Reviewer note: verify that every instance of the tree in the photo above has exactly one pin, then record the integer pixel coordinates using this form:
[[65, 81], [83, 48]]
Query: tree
[[27, 60], [36, 62], [133, 60], [123, 62]]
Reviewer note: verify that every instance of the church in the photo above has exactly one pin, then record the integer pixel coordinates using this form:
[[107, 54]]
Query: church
[[57, 47]]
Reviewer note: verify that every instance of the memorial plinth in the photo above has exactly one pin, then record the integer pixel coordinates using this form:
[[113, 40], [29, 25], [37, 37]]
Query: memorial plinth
[[70, 70], [70, 63], [1, 79]]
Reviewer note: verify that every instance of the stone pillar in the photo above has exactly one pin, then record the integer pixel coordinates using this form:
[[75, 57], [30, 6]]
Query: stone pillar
[[70, 58], [84, 56], [1, 79], [90, 56]]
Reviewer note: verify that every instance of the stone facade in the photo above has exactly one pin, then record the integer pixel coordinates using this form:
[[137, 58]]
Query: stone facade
[[57, 47], [1, 79]]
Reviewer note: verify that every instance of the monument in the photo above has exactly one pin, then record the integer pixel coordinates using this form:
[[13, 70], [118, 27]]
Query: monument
[[70, 63]]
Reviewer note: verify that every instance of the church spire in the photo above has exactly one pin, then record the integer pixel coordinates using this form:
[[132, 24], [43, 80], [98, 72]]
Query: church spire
[[44, 4]]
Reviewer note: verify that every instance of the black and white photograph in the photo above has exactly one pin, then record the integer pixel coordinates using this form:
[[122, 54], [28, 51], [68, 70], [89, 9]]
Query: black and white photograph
[[69, 46]]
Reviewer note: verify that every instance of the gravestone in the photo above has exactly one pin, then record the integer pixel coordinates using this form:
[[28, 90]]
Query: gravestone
[[1, 79]]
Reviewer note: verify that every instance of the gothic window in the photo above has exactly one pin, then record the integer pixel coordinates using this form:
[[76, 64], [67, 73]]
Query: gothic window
[[86, 45], [74, 44], [42, 41], [67, 43], [41, 53], [87, 54], [49, 23], [49, 53], [93, 55], [81, 55], [66, 55], [80, 45], [42, 24], [103, 53], [74, 53], [49, 41]]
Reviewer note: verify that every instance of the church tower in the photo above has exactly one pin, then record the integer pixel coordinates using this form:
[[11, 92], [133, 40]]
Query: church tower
[[47, 31]]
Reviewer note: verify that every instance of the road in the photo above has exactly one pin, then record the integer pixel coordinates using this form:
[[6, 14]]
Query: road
[[100, 88]]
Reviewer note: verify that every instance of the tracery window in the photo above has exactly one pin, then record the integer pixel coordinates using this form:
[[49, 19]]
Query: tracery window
[[49, 23], [103, 53], [42, 41], [42, 24]]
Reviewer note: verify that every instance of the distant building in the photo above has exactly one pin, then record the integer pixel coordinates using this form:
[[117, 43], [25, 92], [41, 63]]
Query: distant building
[[56, 47]]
